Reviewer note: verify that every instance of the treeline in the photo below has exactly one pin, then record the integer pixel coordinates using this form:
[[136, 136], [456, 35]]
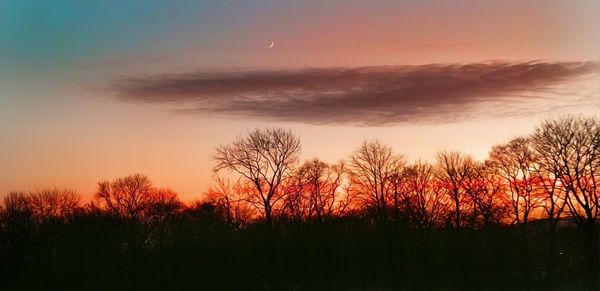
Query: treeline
[[524, 218]]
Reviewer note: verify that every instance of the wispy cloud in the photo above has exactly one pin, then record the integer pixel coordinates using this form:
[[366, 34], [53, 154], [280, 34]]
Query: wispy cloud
[[363, 96]]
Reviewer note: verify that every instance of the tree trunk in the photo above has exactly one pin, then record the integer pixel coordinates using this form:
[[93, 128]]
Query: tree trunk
[[268, 219], [551, 254]]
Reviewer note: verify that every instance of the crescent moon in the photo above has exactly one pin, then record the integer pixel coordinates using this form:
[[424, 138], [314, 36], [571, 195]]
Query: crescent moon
[[272, 44]]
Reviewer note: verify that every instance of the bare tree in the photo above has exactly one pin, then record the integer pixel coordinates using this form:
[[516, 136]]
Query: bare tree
[[126, 197], [16, 227], [326, 185], [553, 194], [53, 204], [147, 211], [488, 196], [231, 198], [372, 167], [314, 191], [296, 203], [162, 205], [162, 210], [16, 203], [453, 171], [423, 205], [569, 149], [264, 158], [553, 202], [514, 163], [423, 202]]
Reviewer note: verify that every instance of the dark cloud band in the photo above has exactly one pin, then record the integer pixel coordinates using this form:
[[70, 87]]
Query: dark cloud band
[[366, 96]]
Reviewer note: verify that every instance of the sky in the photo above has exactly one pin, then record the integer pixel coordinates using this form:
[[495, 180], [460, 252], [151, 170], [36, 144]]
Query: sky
[[94, 90]]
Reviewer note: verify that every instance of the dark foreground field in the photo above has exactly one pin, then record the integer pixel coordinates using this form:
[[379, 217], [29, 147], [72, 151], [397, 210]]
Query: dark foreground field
[[197, 250]]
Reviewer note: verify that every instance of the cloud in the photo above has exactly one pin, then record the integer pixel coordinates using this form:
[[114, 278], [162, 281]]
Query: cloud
[[362, 96]]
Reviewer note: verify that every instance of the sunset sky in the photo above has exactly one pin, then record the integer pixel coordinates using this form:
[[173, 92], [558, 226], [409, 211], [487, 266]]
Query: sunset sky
[[93, 90]]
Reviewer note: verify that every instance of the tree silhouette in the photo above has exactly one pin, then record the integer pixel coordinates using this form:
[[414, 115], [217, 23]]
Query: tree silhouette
[[372, 167], [552, 195], [264, 158], [423, 202], [313, 192], [514, 164], [17, 227], [126, 197], [231, 197], [571, 148], [161, 212], [453, 171], [488, 195], [53, 203]]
